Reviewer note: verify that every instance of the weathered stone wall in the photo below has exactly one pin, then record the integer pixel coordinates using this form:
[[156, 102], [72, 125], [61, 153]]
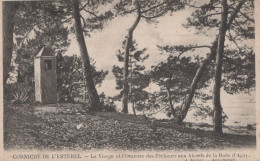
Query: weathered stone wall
[[37, 78]]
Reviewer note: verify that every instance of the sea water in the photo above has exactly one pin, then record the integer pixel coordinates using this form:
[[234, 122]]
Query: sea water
[[241, 111]]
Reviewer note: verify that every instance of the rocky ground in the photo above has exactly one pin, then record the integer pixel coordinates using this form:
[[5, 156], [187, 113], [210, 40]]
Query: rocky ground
[[70, 127]]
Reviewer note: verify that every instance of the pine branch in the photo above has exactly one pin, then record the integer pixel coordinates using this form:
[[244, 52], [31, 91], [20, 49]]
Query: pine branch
[[233, 40], [182, 49], [248, 18], [192, 5], [158, 15], [199, 7], [85, 5], [234, 14], [130, 11], [213, 14], [92, 13], [241, 28], [67, 20], [154, 7], [84, 23]]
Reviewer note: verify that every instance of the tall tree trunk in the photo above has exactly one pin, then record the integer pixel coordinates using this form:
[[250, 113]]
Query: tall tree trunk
[[9, 10], [218, 69], [128, 44], [92, 92], [202, 67], [195, 82]]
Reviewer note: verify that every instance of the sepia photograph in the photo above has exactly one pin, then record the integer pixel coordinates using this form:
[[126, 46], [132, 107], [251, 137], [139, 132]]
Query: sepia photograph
[[129, 80]]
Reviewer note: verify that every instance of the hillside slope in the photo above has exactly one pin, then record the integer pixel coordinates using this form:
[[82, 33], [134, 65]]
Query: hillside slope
[[69, 127]]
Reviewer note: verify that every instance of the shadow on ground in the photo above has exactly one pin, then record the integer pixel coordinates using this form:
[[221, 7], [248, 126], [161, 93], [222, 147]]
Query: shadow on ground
[[71, 127]]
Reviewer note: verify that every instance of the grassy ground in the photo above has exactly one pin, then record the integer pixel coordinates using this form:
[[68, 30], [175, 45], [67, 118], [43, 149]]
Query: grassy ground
[[69, 127]]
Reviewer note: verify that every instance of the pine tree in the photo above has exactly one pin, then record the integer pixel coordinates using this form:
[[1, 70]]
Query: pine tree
[[138, 80], [148, 10], [239, 29], [174, 76]]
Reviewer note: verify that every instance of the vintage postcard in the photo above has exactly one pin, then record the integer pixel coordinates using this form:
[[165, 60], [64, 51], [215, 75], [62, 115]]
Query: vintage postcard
[[137, 80]]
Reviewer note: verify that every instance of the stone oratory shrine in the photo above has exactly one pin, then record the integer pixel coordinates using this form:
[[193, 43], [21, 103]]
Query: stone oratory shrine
[[45, 77]]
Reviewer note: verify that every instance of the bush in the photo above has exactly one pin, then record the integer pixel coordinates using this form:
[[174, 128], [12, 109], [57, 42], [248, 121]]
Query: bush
[[18, 93], [108, 105]]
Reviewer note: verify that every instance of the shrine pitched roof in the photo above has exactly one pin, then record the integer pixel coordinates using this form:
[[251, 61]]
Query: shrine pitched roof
[[44, 52]]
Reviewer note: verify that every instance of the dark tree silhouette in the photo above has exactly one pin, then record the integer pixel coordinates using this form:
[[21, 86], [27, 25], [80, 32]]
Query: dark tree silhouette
[[9, 10], [93, 95], [218, 69]]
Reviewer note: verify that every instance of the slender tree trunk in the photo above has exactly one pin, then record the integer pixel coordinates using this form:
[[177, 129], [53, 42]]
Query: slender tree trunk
[[71, 99], [131, 87], [218, 69], [85, 91], [128, 44], [194, 84], [202, 68], [92, 92], [133, 107], [170, 101], [9, 10]]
